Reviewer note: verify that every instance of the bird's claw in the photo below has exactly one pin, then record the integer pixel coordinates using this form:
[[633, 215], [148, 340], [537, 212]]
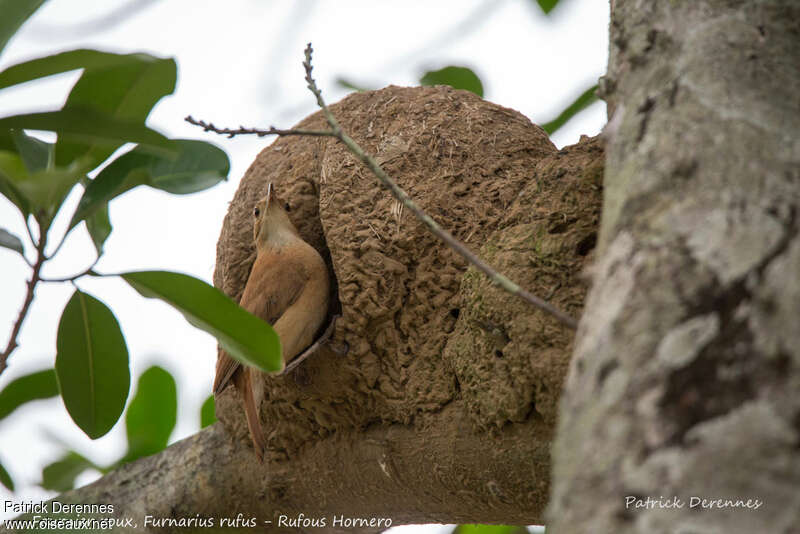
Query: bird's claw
[[324, 338]]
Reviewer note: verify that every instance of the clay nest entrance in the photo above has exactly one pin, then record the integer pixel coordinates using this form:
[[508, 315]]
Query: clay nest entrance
[[424, 330]]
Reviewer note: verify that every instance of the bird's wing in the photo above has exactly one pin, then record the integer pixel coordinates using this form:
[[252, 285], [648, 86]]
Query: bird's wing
[[273, 286], [226, 366]]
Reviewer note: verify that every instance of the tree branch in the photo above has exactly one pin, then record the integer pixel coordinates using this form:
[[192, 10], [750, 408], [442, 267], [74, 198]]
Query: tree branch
[[23, 313], [214, 475], [337, 132]]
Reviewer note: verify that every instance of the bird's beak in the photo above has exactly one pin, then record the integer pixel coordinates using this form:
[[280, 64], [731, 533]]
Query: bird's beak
[[269, 196]]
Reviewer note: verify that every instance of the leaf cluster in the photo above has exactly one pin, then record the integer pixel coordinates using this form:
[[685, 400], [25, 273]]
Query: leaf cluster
[[104, 146]]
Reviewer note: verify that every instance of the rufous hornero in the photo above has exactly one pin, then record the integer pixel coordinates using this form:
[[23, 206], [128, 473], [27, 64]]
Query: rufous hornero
[[288, 287]]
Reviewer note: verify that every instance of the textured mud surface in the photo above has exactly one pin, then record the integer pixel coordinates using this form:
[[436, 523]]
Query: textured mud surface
[[423, 330]]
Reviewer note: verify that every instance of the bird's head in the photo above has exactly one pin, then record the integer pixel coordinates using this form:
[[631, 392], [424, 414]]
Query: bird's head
[[272, 227]]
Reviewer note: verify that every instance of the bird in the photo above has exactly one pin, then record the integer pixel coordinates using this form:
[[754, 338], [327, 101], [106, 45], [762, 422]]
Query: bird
[[287, 287]]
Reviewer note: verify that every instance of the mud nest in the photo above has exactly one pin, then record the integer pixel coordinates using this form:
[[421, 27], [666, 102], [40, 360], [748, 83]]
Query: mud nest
[[424, 330]]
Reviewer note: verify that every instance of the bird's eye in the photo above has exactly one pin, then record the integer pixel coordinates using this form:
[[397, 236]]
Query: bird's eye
[[287, 207], [256, 211]]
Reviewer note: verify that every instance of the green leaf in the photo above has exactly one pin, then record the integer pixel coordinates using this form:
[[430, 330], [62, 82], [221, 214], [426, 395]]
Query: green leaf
[[126, 91], [9, 240], [90, 126], [66, 61], [243, 335], [35, 153], [91, 364], [15, 13], [6, 141], [197, 166], [547, 5], [40, 192], [587, 98], [46, 190], [26, 388], [99, 227], [152, 413], [208, 413], [60, 475], [5, 479], [12, 173], [455, 77]]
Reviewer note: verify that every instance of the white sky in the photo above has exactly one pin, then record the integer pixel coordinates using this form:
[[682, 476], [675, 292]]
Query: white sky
[[239, 63]]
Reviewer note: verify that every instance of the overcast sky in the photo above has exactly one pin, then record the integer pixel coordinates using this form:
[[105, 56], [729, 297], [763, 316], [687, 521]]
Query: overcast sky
[[239, 63]]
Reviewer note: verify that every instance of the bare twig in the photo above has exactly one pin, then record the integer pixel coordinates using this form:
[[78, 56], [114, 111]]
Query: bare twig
[[337, 132], [241, 130], [37, 268]]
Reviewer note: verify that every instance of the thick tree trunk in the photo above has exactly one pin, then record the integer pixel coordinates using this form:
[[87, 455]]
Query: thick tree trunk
[[685, 380]]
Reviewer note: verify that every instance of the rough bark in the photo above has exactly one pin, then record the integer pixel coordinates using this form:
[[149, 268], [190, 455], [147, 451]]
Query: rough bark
[[370, 474], [686, 372], [444, 408]]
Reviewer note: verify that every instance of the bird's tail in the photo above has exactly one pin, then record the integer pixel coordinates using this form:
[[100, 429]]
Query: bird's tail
[[252, 402]]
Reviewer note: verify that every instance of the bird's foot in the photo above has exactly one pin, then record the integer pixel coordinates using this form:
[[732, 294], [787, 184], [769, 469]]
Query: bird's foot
[[324, 338]]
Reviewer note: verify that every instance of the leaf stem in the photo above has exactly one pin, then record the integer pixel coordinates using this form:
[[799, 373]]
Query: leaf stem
[[88, 271]]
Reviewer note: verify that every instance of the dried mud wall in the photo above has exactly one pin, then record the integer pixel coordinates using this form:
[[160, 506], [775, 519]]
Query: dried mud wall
[[423, 330]]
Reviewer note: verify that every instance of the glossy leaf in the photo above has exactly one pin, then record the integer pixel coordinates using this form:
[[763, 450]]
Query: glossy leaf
[[547, 5], [6, 141], [455, 77], [60, 475], [125, 91], [5, 478], [208, 412], [66, 61], [12, 173], [91, 364], [26, 388], [9, 240], [39, 192], [90, 126], [587, 98], [15, 13], [99, 227], [197, 166], [35, 153], [152, 413], [46, 190], [243, 335]]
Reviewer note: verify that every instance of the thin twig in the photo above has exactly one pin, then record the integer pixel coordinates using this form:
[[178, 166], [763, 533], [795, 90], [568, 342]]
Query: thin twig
[[241, 130], [37, 268], [89, 270], [337, 132]]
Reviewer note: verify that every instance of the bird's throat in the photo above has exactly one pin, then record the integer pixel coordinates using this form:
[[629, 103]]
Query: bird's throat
[[276, 237]]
